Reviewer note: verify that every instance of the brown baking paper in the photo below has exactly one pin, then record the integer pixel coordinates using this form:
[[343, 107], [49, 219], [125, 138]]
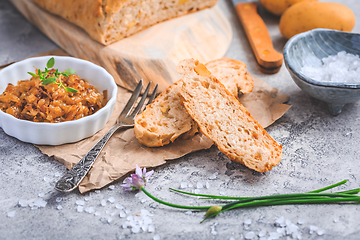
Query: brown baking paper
[[123, 152]]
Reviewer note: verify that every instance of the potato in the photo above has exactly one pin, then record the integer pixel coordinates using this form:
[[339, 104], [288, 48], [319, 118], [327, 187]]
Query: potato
[[277, 7], [305, 16]]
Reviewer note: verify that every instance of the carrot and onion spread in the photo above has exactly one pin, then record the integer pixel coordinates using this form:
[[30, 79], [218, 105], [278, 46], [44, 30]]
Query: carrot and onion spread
[[31, 100]]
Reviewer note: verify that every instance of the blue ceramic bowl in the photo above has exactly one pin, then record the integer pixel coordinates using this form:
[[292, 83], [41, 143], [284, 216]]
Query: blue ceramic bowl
[[307, 49]]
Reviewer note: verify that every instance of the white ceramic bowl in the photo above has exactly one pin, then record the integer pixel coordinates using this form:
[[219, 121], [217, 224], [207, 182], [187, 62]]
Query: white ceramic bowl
[[64, 132]]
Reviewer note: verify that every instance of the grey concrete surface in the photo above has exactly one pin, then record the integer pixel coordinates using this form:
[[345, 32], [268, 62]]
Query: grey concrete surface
[[318, 150]]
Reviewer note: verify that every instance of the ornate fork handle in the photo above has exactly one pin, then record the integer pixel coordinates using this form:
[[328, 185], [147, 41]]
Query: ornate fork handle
[[75, 175]]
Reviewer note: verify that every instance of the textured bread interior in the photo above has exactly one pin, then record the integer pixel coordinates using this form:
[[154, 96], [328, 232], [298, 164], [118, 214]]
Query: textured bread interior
[[232, 74], [223, 119], [164, 120], [108, 21]]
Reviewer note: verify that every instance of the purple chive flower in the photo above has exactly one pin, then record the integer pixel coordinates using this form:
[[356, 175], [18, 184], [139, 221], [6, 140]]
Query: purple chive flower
[[137, 180]]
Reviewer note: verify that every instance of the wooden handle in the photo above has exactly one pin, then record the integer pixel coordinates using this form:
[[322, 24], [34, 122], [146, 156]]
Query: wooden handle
[[268, 58]]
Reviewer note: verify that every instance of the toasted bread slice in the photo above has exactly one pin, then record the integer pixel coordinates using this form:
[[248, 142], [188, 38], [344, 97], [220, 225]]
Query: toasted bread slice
[[223, 119], [166, 119]]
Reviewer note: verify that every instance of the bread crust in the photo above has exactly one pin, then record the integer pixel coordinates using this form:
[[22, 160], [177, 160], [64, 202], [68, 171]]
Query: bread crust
[[108, 21], [223, 119]]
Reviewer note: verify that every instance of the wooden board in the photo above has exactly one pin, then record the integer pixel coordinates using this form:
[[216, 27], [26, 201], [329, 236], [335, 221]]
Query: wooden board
[[151, 54]]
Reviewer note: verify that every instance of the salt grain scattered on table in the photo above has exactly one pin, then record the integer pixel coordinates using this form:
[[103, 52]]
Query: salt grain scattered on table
[[89, 209], [111, 199], [80, 208], [122, 214], [262, 233], [183, 185], [199, 185], [23, 203], [214, 176], [249, 235], [11, 214], [40, 202], [119, 206], [313, 229], [247, 221], [103, 203], [80, 202], [343, 67], [320, 232]]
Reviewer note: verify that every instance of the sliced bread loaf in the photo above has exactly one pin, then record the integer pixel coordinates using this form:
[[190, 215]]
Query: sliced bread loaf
[[166, 119], [223, 119]]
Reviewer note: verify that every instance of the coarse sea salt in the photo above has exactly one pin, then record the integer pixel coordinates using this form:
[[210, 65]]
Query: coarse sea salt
[[11, 214], [249, 235], [183, 185], [89, 209], [23, 203], [340, 68], [80, 202]]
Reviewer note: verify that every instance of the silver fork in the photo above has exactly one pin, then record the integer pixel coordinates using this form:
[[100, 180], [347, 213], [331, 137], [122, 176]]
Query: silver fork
[[125, 120]]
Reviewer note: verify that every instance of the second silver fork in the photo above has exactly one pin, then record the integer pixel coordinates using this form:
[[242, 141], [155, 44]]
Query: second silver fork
[[125, 120]]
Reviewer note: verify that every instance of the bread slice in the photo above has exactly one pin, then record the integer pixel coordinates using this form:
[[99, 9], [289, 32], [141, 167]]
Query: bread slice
[[233, 74], [166, 119], [108, 21], [223, 119]]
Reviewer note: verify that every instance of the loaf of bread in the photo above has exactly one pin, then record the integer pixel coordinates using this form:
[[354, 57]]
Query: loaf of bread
[[223, 119], [166, 119], [108, 21]]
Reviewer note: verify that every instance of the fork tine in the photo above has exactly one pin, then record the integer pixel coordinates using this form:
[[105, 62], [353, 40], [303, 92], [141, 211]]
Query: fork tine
[[133, 98], [153, 95], [142, 100]]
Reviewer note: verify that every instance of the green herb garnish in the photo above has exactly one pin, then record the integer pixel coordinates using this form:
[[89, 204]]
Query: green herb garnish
[[45, 78], [138, 181]]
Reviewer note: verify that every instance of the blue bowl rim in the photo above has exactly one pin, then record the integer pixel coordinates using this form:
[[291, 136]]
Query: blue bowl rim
[[305, 78]]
